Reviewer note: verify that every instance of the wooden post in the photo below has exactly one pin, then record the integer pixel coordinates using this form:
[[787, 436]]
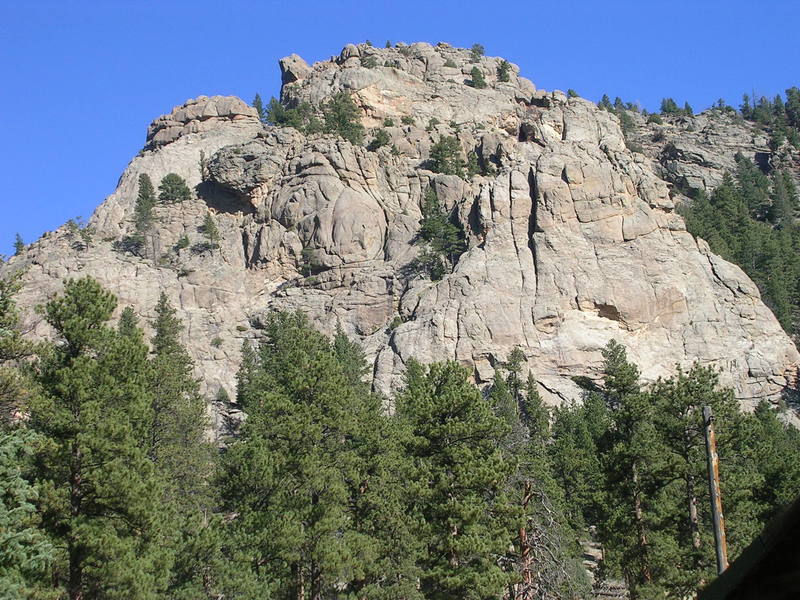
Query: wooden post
[[713, 486]]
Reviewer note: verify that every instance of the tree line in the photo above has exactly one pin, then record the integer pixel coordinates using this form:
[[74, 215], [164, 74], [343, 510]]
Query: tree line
[[780, 116], [110, 488]]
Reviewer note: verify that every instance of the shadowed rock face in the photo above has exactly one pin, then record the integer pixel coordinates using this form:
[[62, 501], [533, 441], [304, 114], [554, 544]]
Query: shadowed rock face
[[572, 239]]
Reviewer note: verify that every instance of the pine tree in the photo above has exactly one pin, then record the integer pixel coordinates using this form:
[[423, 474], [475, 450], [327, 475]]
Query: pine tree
[[457, 483], [383, 516], [678, 404], [749, 220], [19, 245], [514, 367], [299, 476], [351, 358], [576, 466], [753, 187], [746, 109], [342, 117], [638, 471], [25, 552], [541, 554], [101, 499], [258, 104], [13, 350], [503, 71], [177, 442], [762, 111], [210, 564], [621, 377], [792, 106], [173, 189], [380, 140], [211, 231], [669, 107], [605, 103], [446, 157], [301, 117], [80, 233], [178, 447], [687, 554], [128, 325], [145, 202], [628, 467], [445, 238], [476, 78], [246, 372], [784, 199], [772, 440]]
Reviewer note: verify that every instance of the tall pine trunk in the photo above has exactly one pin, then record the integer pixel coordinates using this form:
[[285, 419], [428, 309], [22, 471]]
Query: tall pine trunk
[[525, 559], [299, 583], [641, 531], [74, 551], [316, 583], [694, 519], [691, 497]]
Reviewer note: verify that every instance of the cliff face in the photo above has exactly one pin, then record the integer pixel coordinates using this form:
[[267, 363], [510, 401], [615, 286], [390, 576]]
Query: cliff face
[[573, 239]]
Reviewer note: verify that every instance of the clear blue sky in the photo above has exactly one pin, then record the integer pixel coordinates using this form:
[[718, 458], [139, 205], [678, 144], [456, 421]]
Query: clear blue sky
[[82, 80]]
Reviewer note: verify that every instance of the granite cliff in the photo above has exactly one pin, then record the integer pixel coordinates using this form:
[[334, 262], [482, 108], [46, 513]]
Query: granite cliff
[[572, 238]]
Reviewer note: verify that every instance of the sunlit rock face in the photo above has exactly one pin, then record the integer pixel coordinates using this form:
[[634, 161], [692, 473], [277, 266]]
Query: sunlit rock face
[[572, 239]]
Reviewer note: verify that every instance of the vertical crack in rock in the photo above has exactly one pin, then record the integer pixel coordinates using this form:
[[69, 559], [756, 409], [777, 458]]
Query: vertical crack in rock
[[248, 257], [533, 223]]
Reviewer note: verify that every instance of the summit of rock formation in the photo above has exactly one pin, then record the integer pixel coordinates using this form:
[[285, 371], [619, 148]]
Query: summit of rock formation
[[572, 239]]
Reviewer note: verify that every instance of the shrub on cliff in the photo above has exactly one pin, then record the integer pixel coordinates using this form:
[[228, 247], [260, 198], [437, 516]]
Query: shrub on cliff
[[444, 240], [476, 52], [503, 71], [301, 117], [446, 157], [342, 117], [656, 119], [380, 140], [476, 79], [210, 230]]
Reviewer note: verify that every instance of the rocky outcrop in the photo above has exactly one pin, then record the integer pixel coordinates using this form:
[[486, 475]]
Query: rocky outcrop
[[293, 68], [201, 114], [695, 152], [573, 239]]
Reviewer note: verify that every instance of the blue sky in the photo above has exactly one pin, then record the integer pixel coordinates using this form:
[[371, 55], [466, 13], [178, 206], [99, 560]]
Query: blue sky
[[82, 80]]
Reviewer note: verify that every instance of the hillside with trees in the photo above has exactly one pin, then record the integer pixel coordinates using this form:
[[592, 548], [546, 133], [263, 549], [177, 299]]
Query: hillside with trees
[[417, 330], [459, 492]]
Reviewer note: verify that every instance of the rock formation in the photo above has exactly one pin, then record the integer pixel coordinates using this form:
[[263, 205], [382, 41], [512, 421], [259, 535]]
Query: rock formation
[[694, 152], [573, 239]]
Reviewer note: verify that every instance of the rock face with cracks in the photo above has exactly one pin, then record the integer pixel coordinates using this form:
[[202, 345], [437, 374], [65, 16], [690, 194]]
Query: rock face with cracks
[[572, 239]]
